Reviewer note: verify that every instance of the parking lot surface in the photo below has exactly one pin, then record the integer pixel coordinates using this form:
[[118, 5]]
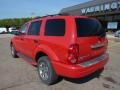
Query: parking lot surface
[[16, 74]]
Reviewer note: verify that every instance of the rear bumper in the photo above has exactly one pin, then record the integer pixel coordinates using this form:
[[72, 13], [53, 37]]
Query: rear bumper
[[78, 71]]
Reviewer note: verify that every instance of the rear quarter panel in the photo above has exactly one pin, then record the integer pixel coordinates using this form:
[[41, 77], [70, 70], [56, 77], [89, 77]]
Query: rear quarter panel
[[57, 46]]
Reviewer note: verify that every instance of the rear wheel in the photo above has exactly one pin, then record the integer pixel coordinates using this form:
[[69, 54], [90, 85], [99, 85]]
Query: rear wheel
[[13, 52], [46, 71]]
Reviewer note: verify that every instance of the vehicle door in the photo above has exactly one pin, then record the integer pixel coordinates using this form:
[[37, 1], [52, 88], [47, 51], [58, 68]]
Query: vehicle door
[[31, 40], [20, 38]]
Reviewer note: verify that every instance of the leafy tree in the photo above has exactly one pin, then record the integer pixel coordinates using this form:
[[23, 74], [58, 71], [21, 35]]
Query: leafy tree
[[15, 22]]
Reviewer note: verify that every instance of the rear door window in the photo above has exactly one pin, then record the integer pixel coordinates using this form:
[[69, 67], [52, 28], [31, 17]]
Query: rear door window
[[55, 27], [88, 27]]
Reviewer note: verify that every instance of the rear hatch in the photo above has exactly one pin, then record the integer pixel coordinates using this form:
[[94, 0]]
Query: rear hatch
[[91, 39]]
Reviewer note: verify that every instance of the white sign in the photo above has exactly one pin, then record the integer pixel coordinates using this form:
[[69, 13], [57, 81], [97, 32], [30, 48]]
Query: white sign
[[112, 25], [103, 7]]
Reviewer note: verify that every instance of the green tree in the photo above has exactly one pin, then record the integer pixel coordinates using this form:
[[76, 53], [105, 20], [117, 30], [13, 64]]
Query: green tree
[[15, 22]]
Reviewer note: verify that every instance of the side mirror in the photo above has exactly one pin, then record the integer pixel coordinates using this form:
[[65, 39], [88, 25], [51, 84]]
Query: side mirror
[[17, 33]]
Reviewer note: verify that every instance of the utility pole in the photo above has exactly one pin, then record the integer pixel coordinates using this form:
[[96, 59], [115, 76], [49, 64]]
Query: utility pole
[[32, 15]]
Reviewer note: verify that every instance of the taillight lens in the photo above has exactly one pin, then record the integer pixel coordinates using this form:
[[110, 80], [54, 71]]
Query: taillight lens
[[73, 53]]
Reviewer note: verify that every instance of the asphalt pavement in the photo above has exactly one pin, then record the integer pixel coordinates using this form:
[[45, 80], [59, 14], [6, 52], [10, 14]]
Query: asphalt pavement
[[17, 74]]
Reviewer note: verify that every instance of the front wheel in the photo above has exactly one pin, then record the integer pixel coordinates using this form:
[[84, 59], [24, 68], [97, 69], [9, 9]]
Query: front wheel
[[46, 71], [13, 52]]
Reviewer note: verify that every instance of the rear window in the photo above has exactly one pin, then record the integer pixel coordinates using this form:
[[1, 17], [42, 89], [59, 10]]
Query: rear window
[[88, 27], [55, 27]]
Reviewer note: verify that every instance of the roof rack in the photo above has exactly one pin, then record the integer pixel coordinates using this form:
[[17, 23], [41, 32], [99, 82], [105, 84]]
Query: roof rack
[[61, 14]]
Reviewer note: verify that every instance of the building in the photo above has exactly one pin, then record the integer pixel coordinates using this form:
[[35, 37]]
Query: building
[[107, 11]]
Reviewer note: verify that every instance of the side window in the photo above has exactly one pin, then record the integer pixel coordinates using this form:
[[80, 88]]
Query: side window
[[34, 28], [23, 28], [55, 27]]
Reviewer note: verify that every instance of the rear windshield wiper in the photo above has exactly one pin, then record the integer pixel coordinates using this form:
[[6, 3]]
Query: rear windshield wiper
[[102, 34]]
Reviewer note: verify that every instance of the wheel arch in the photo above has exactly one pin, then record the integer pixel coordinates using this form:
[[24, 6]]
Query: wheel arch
[[11, 43], [45, 51], [39, 54]]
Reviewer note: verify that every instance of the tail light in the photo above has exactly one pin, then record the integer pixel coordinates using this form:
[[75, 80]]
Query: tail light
[[73, 53]]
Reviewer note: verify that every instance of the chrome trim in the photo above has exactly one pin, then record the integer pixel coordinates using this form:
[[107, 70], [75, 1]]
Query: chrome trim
[[97, 46], [95, 61]]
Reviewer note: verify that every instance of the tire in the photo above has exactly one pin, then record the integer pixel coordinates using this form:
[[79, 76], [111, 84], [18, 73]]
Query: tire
[[46, 72], [13, 52]]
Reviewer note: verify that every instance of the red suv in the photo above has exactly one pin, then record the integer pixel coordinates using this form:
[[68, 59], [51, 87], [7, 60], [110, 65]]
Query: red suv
[[70, 46]]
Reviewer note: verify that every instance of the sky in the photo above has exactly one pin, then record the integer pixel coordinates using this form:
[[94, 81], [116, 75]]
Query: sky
[[28, 8]]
